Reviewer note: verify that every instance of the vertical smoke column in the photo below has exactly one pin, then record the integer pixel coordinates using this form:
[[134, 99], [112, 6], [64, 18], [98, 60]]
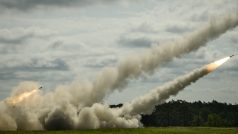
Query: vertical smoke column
[[146, 103]]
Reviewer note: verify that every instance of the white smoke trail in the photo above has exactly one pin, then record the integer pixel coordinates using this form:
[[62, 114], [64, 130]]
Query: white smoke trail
[[145, 104], [111, 79]]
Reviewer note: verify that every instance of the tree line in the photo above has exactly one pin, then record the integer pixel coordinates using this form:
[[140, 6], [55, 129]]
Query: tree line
[[182, 113]]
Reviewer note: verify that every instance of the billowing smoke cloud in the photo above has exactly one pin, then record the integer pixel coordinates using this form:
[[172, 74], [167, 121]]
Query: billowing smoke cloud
[[79, 105], [52, 115]]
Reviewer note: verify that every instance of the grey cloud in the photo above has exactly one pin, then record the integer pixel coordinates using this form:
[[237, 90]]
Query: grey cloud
[[94, 63], [139, 42], [16, 40], [144, 28], [205, 15], [36, 65], [6, 75], [30, 4], [21, 35], [14, 44], [13, 40], [56, 44], [232, 67], [233, 38], [56, 64], [177, 29], [24, 5]]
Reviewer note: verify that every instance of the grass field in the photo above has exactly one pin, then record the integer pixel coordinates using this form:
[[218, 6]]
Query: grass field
[[165, 130]]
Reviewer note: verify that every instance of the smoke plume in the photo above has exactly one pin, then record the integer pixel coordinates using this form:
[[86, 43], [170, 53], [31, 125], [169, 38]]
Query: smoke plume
[[145, 104], [110, 79], [80, 104]]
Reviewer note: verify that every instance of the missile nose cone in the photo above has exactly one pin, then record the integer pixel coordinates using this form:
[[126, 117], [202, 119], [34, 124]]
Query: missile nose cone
[[232, 55]]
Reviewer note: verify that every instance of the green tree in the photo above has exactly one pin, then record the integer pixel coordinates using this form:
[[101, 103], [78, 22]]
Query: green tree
[[214, 120]]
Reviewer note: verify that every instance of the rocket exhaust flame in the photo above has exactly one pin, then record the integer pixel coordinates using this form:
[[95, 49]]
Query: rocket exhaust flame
[[211, 67], [17, 99]]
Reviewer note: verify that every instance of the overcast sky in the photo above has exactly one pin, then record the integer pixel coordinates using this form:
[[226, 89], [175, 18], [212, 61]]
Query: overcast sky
[[54, 42]]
